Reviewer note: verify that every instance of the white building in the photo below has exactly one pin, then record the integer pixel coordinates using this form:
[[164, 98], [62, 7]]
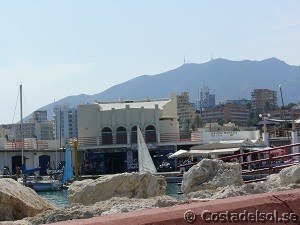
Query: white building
[[107, 131], [65, 123]]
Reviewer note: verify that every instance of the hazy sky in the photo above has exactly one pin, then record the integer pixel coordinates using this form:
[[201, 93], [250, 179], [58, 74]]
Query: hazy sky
[[61, 48]]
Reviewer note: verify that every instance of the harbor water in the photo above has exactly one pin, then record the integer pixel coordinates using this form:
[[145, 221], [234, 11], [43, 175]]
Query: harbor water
[[60, 200]]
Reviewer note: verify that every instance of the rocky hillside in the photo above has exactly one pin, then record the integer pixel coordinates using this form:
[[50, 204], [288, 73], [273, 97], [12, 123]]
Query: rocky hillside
[[226, 79]]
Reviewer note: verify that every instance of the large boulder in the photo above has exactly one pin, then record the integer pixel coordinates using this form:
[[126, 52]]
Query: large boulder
[[17, 201], [131, 185], [210, 174], [290, 175], [286, 179]]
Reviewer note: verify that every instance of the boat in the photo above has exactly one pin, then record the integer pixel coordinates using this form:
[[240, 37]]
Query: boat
[[44, 183], [37, 183], [144, 158]]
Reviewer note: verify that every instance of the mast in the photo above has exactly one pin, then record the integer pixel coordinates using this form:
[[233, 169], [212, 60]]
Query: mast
[[21, 125]]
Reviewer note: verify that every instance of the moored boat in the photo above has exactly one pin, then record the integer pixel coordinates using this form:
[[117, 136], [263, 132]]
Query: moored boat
[[43, 184]]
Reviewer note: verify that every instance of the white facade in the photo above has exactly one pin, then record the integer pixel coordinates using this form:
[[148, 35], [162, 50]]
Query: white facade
[[205, 136], [97, 119]]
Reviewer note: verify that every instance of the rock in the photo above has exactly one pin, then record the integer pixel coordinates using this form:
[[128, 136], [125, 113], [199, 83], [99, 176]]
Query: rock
[[165, 201], [131, 185], [287, 179], [111, 206], [17, 201], [211, 174], [290, 175]]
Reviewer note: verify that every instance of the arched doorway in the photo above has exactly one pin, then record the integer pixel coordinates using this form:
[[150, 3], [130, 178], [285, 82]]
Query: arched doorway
[[44, 163], [134, 135], [150, 134], [121, 135], [107, 136]]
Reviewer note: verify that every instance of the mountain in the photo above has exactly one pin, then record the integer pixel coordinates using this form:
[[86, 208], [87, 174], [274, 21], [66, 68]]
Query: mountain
[[225, 78]]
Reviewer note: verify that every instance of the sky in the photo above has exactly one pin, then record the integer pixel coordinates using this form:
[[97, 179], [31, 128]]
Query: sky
[[58, 48]]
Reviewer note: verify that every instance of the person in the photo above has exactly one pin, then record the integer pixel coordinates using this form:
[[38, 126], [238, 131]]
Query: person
[[6, 170], [17, 171], [182, 168]]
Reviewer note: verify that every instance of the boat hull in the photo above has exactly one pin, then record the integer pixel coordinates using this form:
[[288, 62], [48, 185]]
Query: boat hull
[[45, 185]]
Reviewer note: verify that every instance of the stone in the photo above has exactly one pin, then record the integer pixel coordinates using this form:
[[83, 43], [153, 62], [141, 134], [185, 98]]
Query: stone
[[290, 175], [131, 185], [18, 201], [111, 206], [286, 179], [211, 174]]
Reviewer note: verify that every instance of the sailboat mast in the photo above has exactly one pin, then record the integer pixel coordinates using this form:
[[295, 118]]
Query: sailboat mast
[[21, 126]]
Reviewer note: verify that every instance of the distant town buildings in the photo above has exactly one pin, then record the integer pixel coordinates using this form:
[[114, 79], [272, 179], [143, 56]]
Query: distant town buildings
[[65, 123], [240, 102], [263, 100], [226, 113], [39, 116], [185, 110], [206, 100], [37, 127]]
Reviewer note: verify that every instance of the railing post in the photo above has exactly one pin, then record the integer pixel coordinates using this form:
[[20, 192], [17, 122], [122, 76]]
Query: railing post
[[270, 163]]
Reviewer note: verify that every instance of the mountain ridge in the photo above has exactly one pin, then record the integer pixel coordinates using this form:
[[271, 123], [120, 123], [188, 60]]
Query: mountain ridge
[[227, 79]]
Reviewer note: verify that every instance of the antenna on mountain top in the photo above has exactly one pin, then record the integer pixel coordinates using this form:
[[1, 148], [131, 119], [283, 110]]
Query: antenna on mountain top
[[184, 59], [211, 57]]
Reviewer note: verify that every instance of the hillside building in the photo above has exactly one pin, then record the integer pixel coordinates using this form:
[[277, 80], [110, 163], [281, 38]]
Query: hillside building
[[239, 102], [186, 112], [206, 100], [65, 123], [227, 113], [263, 100]]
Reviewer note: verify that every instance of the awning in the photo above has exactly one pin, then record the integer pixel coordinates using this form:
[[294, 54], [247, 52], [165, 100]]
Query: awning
[[210, 152], [177, 154], [214, 146]]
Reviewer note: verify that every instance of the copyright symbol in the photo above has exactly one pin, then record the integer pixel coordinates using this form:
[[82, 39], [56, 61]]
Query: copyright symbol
[[190, 216]]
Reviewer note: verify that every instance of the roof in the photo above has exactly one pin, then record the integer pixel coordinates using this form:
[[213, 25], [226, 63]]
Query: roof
[[147, 104], [210, 152], [215, 146], [177, 154]]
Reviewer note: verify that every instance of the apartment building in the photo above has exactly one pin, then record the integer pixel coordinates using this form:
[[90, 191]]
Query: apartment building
[[263, 100], [185, 110]]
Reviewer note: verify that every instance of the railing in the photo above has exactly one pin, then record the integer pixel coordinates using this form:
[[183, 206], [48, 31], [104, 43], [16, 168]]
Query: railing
[[280, 134], [260, 168], [164, 138]]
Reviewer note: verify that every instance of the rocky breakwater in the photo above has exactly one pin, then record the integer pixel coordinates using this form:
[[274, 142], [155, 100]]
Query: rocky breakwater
[[108, 195], [17, 201], [211, 174], [214, 179], [130, 185]]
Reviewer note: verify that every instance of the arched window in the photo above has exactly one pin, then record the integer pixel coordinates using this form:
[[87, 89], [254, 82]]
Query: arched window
[[121, 135], [107, 136], [134, 134], [150, 134]]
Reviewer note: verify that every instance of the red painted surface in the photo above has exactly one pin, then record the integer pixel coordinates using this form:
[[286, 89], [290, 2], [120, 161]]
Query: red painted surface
[[282, 202]]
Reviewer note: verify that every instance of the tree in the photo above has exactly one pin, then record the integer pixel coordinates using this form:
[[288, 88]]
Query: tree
[[220, 121]]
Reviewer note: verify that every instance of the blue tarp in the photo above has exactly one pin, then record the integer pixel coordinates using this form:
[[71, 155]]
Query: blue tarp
[[68, 171], [29, 171]]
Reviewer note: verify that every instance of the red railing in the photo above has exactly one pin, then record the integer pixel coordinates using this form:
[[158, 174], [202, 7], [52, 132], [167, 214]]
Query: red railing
[[265, 166]]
